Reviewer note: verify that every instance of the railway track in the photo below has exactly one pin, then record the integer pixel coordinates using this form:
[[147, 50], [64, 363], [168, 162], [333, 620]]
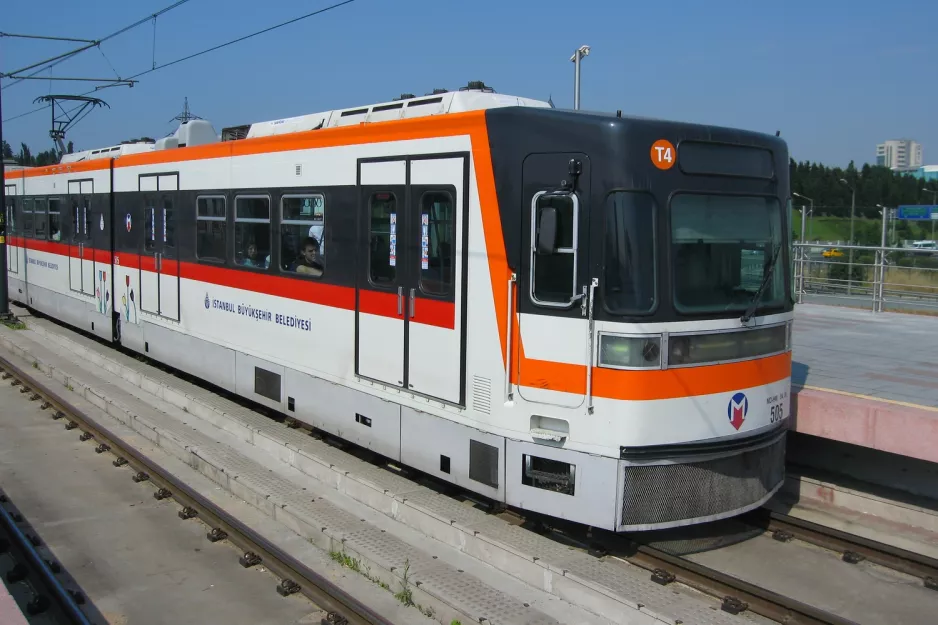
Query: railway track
[[342, 608], [853, 549], [50, 598], [736, 596]]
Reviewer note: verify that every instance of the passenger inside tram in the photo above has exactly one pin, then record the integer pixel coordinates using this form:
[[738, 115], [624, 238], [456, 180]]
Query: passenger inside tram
[[251, 257], [308, 261]]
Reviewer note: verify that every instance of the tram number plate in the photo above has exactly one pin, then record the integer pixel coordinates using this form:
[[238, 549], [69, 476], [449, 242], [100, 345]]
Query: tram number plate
[[777, 413]]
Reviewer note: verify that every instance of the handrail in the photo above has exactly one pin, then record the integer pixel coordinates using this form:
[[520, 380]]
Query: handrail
[[509, 394]]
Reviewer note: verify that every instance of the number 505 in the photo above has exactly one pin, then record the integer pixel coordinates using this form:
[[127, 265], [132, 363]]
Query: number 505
[[777, 413]]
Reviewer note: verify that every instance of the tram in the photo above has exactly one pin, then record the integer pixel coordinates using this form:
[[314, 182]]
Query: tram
[[582, 315]]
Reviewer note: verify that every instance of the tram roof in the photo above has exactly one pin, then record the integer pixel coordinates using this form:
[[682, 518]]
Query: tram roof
[[476, 96]]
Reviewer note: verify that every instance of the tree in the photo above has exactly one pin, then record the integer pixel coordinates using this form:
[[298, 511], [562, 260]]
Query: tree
[[70, 148], [25, 158], [7, 150]]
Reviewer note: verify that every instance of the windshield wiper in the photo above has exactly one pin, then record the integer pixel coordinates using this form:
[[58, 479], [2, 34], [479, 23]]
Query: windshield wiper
[[765, 280]]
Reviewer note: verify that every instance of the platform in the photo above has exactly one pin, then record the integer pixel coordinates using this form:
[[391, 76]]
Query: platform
[[10, 613], [867, 379]]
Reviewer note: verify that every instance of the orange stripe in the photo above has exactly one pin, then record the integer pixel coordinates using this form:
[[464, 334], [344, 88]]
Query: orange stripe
[[48, 170], [374, 132], [492, 230], [656, 384]]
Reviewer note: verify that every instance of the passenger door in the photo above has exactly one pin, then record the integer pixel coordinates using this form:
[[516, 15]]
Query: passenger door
[[554, 281], [159, 261], [436, 232], [11, 244], [379, 316], [149, 256], [96, 255], [80, 256], [169, 262], [410, 312]]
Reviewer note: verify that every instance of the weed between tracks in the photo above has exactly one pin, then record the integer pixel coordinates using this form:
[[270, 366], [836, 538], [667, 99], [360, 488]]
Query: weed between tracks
[[405, 595]]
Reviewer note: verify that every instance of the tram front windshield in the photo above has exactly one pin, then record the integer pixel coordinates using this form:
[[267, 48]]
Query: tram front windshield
[[722, 248]]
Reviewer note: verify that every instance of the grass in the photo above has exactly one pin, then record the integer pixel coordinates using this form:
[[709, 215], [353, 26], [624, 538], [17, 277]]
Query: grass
[[14, 324], [867, 231], [912, 280], [405, 595]]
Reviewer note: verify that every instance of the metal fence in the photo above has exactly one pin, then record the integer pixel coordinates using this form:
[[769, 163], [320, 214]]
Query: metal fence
[[879, 278]]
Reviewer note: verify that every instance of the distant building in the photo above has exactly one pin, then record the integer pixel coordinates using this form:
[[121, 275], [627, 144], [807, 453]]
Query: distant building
[[899, 154], [927, 172]]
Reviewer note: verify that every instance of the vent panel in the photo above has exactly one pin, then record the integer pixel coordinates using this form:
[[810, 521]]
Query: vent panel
[[482, 394]]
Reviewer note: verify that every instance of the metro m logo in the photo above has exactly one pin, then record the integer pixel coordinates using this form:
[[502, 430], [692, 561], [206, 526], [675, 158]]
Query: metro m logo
[[736, 410]]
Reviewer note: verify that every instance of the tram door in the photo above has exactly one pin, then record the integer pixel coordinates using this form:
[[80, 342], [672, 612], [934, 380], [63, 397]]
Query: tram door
[[11, 242], [81, 251], [159, 264], [410, 322], [553, 284], [159, 261]]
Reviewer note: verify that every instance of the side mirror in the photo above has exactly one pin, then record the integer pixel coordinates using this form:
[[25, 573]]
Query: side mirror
[[546, 230]]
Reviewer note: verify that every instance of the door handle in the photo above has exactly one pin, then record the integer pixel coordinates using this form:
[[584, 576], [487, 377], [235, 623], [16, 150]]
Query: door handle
[[400, 300], [412, 304]]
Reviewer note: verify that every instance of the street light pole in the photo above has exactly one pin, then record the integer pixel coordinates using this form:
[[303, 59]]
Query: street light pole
[[934, 201], [579, 54], [882, 262], [810, 214], [804, 250], [853, 208]]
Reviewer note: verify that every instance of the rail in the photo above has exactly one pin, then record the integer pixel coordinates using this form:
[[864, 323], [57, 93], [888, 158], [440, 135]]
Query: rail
[[878, 277], [294, 575], [853, 549], [51, 597], [738, 596]]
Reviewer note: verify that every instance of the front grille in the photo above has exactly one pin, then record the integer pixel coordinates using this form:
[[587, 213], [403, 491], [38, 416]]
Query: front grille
[[668, 495]]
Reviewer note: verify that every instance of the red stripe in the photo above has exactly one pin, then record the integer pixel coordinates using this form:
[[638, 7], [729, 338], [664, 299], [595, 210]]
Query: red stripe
[[380, 303], [427, 311], [259, 282], [68, 250], [144, 263], [433, 312]]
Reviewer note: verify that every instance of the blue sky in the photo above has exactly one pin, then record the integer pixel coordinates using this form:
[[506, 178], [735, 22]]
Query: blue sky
[[835, 76]]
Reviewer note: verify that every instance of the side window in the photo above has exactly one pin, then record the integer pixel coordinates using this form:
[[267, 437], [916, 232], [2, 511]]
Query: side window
[[76, 219], [437, 233], [149, 239], [382, 242], [55, 231], [86, 217], [302, 226], [39, 208], [553, 249], [169, 224], [211, 228], [10, 213], [27, 216], [629, 253], [252, 231]]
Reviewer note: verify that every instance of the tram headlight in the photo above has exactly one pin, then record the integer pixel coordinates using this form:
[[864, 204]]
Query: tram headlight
[[630, 352], [696, 349]]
